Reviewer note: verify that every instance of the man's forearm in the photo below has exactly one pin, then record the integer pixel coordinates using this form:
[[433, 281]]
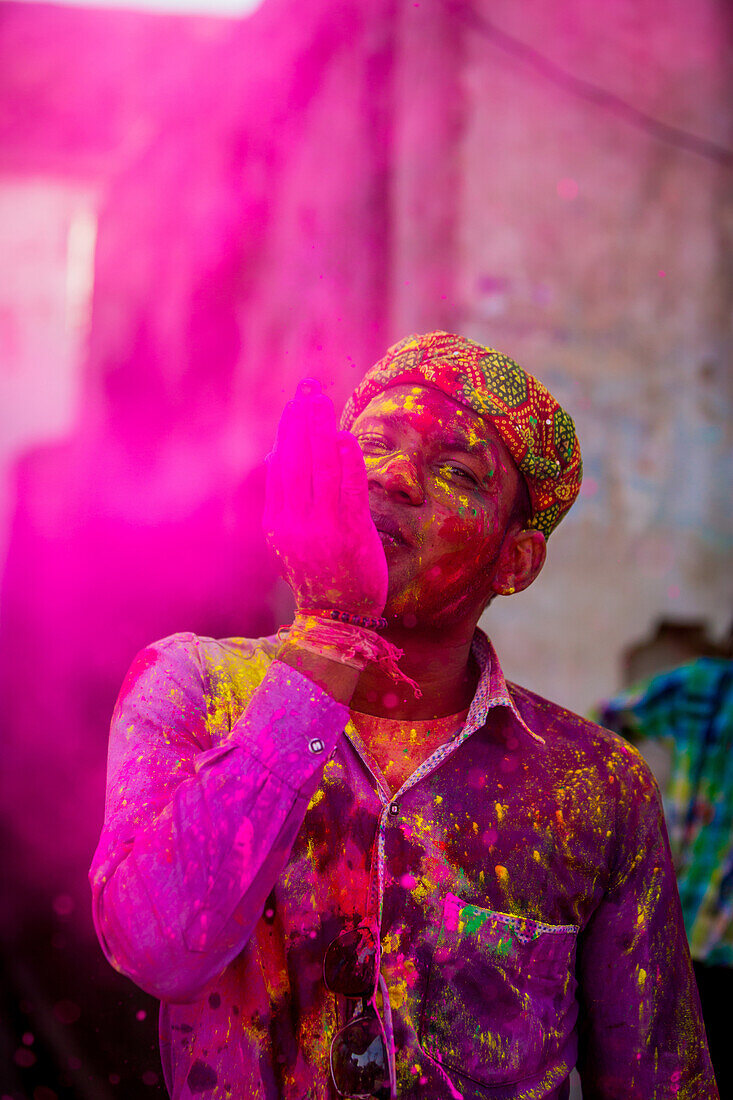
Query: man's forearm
[[176, 897]]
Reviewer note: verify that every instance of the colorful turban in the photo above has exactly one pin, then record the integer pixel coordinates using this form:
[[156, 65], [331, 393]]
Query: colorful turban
[[538, 433]]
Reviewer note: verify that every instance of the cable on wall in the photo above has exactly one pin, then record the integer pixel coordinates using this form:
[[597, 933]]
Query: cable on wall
[[591, 93]]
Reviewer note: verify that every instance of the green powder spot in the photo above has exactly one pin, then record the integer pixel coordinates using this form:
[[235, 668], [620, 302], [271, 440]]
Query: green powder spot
[[472, 919]]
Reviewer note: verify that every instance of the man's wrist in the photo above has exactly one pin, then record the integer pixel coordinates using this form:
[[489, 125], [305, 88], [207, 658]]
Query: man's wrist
[[352, 618], [335, 678]]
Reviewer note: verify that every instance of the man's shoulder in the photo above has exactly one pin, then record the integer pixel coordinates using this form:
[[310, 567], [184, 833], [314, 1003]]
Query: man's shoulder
[[570, 736], [239, 661], [217, 649]]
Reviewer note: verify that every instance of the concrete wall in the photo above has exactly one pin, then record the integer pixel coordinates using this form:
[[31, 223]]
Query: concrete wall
[[596, 251]]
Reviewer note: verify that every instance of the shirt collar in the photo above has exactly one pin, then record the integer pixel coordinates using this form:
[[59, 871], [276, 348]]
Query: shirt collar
[[492, 690]]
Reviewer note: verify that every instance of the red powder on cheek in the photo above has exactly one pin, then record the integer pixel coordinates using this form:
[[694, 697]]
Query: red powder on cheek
[[453, 529]]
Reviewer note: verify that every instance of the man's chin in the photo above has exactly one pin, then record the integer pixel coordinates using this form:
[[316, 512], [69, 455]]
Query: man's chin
[[420, 601], [407, 601]]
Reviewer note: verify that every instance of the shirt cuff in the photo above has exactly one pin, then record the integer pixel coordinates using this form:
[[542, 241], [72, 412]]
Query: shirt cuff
[[291, 725]]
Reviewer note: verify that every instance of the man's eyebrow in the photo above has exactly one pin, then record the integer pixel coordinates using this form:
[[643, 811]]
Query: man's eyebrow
[[454, 441], [394, 420], [480, 447]]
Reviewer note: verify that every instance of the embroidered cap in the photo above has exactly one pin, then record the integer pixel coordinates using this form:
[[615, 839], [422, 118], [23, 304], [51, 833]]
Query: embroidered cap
[[538, 433]]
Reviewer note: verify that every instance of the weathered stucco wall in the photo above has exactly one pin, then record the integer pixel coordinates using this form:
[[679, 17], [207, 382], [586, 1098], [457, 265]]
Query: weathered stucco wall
[[596, 251]]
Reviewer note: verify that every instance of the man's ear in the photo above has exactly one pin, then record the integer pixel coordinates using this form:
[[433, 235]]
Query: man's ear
[[521, 558]]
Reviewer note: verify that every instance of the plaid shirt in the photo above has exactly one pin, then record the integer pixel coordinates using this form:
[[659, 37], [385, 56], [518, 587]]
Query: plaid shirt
[[521, 877], [691, 709]]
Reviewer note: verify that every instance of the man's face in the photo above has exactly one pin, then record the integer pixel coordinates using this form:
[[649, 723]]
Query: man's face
[[442, 486]]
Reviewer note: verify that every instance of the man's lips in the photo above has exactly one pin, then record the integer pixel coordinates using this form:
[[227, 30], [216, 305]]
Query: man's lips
[[388, 526]]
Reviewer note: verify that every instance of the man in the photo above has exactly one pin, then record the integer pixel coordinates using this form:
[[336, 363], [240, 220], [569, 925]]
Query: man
[[356, 861]]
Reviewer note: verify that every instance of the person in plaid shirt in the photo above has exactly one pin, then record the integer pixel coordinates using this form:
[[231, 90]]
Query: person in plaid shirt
[[689, 710]]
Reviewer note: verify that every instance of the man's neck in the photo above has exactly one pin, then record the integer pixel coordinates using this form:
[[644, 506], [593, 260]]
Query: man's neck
[[440, 662]]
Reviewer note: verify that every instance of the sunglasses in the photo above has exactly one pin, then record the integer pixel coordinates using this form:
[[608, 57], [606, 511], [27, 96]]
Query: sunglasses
[[360, 1065]]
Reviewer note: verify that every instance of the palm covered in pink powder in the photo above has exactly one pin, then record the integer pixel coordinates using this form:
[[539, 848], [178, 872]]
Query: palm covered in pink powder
[[317, 517]]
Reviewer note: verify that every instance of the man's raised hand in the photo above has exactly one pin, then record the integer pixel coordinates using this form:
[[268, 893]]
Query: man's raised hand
[[317, 515]]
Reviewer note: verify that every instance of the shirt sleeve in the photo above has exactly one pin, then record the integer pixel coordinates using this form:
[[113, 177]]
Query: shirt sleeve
[[640, 1025], [194, 838], [650, 711]]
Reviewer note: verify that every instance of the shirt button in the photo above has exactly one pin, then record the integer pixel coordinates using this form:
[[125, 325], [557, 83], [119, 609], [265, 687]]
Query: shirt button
[[394, 809], [316, 745]]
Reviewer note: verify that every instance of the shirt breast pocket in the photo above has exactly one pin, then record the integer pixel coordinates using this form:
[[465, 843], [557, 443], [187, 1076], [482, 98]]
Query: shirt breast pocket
[[500, 997]]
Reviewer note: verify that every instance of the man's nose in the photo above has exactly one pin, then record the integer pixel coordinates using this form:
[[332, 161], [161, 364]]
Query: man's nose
[[397, 474]]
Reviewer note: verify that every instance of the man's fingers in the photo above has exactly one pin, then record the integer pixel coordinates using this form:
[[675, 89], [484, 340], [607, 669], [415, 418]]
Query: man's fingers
[[354, 492], [325, 451], [294, 453], [284, 424], [308, 387]]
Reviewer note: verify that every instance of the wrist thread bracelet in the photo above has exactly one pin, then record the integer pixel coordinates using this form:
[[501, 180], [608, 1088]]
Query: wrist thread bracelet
[[369, 622], [347, 643]]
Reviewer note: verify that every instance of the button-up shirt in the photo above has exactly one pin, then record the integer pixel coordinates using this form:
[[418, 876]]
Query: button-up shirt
[[520, 878]]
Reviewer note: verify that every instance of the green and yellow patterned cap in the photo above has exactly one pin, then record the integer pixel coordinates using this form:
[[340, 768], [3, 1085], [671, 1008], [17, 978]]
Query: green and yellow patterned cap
[[538, 433]]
